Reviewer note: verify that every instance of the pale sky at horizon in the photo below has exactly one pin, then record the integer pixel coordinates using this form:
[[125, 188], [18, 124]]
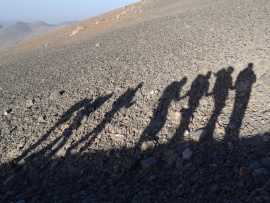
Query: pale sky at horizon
[[56, 11]]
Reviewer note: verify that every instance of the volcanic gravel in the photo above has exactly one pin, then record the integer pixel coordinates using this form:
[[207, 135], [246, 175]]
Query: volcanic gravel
[[171, 103]]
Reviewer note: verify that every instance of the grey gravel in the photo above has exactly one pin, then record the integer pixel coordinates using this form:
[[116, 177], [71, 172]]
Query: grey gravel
[[88, 143]]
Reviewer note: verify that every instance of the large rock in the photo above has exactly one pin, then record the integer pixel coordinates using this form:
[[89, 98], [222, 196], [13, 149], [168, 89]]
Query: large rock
[[182, 118], [148, 147], [199, 135]]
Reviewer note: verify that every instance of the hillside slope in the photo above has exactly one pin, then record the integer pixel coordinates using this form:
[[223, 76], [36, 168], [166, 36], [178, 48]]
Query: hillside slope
[[159, 101]]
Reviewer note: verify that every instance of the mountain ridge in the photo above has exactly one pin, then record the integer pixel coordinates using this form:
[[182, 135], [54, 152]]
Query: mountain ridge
[[20, 31]]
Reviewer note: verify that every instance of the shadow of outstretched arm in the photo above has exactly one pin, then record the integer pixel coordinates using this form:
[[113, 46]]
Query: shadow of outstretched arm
[[125, 100]]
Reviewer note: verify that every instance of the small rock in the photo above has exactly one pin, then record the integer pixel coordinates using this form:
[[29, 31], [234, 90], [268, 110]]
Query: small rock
[[179, 163], [260, 88], [267, 187], [11, 180], [266, 138], [255, 132], [215, 189], [266, 162], [56, 95], [10, 193], [98, 44], [75, 196], [29, 103], [199, 135], [187, 166], [148, 147], [244, 171], [187, 154], [182, 118], [262, 171], [73, 152], [129, 163], [265, 79], [255, 165], [61, 152], [72, 169], [8, 111], [21, 201], [240, 184], [149, 163], [267, 198], [153, 177], [171, 160], [259, 175]]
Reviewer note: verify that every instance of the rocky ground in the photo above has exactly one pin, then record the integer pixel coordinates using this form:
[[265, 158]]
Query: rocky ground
[[162, 101]]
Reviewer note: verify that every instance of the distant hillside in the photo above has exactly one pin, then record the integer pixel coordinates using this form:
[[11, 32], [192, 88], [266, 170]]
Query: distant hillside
[[66, 23], [18, 32], [1, 26]]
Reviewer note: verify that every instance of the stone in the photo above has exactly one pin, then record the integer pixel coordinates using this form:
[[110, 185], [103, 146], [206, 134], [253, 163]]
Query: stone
[[148, 147], [29, 103], [61, 152], [56, 95], [187, 154], [244, 171], [266, 162], [129, 163], [260, 171], [11, 180], [8, 111], [259, 175], [21, 201], [149, 163], [266, 138], [72, 169], [98, 44], [153, 177], [199, 135], [265, 79], [255, 131], [267, 187], [182, 118], [171, 159], [255, 165], [260, 88], [215, 189]]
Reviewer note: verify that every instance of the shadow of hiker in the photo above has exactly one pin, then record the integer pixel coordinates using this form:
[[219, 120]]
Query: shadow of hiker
[[125, 100], [199, 88], [88, 108], [243, 86], [210, 171], [159, 117], [220, 93]]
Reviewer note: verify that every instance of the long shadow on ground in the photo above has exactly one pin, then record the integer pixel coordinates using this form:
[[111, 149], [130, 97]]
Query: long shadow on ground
[[230, 170]]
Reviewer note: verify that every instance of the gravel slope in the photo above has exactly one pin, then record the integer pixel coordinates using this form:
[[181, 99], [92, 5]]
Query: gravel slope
[[94, 116]]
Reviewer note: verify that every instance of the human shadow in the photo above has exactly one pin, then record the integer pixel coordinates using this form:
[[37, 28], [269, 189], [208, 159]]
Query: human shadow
[[124, 101], [86, 108], [220, 93], [199, 88], [214, 172], [243, 88], [159, 117]]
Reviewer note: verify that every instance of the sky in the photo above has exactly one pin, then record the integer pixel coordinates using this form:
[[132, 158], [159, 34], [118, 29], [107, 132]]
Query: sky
[[56, 11]]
